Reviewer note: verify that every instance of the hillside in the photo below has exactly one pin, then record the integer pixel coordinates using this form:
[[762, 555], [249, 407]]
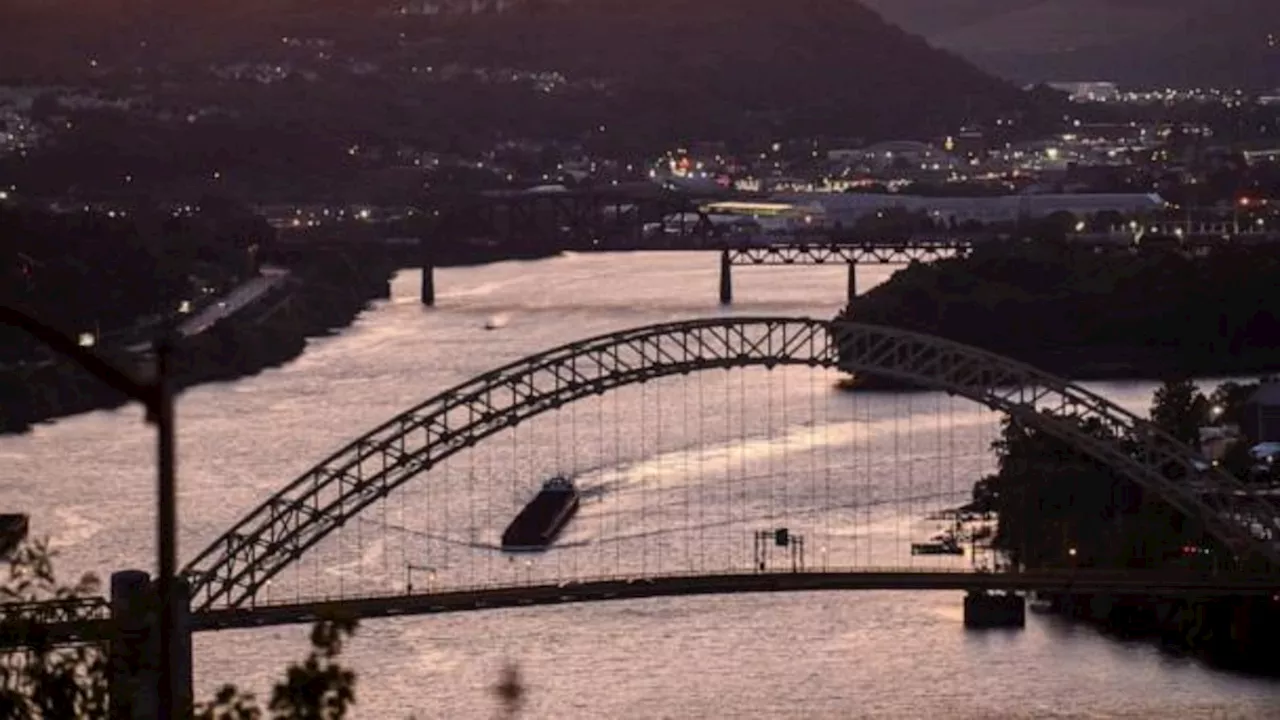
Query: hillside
[[1143, 42], [662, 70], [809, 65]]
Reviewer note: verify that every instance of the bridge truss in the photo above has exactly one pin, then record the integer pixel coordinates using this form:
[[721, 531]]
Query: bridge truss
[[568, 220], [882, 253], [231, 572]]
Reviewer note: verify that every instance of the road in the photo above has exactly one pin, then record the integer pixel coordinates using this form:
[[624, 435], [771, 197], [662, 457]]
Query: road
[[240, 297]]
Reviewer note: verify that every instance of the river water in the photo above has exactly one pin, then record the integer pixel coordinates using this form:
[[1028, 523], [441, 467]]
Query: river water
[[88, 483]]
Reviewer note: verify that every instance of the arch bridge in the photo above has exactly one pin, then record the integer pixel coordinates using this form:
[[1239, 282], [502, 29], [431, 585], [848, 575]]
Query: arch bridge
[[228, 578], [235, 567]]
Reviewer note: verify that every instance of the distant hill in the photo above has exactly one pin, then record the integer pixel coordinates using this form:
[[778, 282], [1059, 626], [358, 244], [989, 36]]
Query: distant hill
[[677, 68], [823, 66], [1145, 42]]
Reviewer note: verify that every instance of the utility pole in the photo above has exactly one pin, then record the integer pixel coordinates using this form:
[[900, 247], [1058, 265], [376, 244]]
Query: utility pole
[[157, 397], [167, 530]]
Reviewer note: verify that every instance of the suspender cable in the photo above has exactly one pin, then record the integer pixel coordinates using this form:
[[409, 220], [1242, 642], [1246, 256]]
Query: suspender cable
[[404, 537], [942, 500], [445, 525], [600, 515], [490, 489], [617, 460], [786, 441], [657, 490], [868, 493], [386, 532], [728, 472], [473, 532], [744, 481], [813, 470], [558, 463], [644, 486], [702, 475], [686, 443], [897, 479], [771, 478], [911, 467], [573, 445]]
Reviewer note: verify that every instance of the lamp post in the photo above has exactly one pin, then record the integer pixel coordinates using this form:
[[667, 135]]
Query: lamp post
[[157, 397], [408, 577]]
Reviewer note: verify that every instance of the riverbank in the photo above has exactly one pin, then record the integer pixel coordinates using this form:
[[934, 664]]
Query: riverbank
[[324, 294], [1236, 634], [1059, 508], [1088, 316]]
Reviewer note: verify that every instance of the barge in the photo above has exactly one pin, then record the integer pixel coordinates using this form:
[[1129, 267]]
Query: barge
[[540, 522]]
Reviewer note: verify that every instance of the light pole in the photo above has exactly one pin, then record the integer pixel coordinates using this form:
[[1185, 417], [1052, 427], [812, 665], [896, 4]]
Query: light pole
[[408, 577], [157, 397]]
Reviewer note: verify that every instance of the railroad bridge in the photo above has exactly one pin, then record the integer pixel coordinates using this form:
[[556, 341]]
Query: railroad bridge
[[635, 217]]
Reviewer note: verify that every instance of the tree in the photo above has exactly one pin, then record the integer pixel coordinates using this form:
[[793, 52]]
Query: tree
[[48, 682], [1180, 409], [1052, 498]]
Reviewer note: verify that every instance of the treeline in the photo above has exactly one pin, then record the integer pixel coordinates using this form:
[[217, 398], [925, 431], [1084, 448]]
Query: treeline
[[1060, 508], [325, 292], [1070, 310], [108, 273], [639, 79]]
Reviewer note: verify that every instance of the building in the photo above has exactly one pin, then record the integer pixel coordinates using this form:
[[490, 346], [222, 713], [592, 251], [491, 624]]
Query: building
[[1261, 420], [1088, 91], [847, 208], [766, 217]]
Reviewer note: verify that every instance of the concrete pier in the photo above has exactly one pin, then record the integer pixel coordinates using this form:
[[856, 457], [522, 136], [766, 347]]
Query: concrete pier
[[986, 609], [852, 291], [428, 282], [133, 671], [726, 279]]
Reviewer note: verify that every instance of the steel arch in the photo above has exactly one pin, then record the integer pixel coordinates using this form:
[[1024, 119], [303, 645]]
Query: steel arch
[[280, 530]]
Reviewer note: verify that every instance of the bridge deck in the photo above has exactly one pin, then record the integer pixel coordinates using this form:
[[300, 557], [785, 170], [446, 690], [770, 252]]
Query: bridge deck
[[708, 584], [96, 628]]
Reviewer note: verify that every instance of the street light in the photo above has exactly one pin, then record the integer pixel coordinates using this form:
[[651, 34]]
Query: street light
[[157, 397], [408, 577]]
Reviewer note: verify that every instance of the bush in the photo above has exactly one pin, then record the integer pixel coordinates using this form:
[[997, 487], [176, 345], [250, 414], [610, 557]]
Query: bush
[[46, 682]]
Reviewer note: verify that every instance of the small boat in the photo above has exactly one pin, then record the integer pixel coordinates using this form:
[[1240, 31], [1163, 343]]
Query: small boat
[[849, 382], [945, 545], [540, 522], [13, 531], [1040, 604]]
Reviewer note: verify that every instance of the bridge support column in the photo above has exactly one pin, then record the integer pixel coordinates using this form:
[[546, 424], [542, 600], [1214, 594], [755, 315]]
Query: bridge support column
[[133, 672], [852, 291], [428, 282], [984, 609], [726, 279]]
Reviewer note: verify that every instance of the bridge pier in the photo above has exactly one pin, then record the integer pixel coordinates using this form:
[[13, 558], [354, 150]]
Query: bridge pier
[[133, 670], [428, 282], [852, 291], [983, 609], [726, 279]]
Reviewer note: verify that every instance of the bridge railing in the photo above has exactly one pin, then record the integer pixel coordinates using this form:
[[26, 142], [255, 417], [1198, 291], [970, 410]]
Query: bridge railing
[[521, 580]]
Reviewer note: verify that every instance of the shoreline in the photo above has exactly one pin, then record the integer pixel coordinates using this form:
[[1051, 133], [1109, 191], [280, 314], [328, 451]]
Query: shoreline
[[328, 291], [331, 288], [325, 296]]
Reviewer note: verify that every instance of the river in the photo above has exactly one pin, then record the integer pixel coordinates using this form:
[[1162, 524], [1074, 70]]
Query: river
[[88, 483]]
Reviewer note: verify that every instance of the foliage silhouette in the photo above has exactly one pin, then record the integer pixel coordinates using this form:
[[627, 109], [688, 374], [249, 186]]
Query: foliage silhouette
[[1060, 509], [48, 682]]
